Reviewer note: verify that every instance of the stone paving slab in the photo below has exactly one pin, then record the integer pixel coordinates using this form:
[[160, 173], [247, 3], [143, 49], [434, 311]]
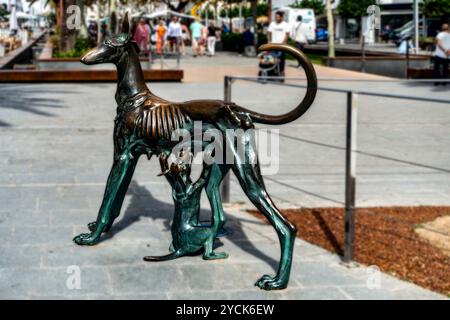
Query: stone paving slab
[[55, 155], [114, 269]]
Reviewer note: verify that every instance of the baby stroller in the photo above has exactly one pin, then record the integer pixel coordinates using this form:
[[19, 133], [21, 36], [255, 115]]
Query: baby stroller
[[269, 66]]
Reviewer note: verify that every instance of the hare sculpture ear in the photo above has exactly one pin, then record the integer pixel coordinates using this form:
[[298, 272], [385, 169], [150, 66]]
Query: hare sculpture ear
[[126, 24]]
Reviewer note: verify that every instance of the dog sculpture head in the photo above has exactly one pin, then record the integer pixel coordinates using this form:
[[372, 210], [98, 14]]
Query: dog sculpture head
[[110, 50]]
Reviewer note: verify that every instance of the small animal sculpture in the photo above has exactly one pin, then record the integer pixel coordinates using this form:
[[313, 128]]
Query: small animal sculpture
[[188, 236]]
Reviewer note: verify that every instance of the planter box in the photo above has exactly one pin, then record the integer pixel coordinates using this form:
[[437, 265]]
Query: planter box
[[82, 75], [72, 70], [389, 65]]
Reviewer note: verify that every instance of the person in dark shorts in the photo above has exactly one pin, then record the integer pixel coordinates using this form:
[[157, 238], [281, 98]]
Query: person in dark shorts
[[442, 55], [174, 34]]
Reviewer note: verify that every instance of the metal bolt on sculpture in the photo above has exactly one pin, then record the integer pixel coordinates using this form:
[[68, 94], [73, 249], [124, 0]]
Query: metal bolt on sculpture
[[144, 125]]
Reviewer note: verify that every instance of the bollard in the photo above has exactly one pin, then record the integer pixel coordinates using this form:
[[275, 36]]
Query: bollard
[[225, 187], [350, 176]]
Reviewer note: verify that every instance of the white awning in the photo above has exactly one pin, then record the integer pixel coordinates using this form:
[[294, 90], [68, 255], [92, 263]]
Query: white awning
[[23, 15], [162, 13]]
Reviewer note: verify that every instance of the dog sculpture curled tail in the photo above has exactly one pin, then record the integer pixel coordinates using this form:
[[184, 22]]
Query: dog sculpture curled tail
[[145, 123]]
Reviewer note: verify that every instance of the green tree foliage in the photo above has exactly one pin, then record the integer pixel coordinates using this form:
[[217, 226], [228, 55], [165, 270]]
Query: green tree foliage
[[436, 8], [316, 5], [210, 14], [261, 10], [3, 11], [354, 9], [81, 46]]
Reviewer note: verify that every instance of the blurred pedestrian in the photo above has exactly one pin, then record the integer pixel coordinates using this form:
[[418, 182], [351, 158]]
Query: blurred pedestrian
[[149, 27], [225, 28], [104, 30], [196, 36], [442, 55], [92, 31], [386, 33], [204, 40], [248, 39], [160, 36], [141, 35], [184, 37], [212, 37], [174, 34], [278, 32], [299, 34]]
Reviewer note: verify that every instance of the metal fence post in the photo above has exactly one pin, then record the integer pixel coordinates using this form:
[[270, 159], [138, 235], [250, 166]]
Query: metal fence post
[[363, 54], [350, 176], [407, 57], [178, 51], [225, 187]]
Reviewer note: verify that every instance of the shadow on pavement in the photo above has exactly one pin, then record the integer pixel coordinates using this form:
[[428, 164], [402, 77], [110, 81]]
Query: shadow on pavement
[[329, 233], [144, 204], [4, 124], [430, 85], [30, 99]]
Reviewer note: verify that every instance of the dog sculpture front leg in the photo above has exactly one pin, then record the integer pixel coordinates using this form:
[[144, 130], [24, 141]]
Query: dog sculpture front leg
[[116, 188]]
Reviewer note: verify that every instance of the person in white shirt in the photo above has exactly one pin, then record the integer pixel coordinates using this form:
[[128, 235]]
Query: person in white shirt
[[299, 34], [442, 54], [278, 32], [174, 34]]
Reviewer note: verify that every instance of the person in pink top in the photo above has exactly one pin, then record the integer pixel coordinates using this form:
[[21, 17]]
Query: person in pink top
[[141, 35]]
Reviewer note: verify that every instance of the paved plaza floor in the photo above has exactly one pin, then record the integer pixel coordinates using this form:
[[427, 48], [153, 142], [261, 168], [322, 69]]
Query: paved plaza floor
[[56, 152]]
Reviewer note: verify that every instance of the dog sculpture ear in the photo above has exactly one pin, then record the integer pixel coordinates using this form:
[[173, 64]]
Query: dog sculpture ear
[[126, 24]]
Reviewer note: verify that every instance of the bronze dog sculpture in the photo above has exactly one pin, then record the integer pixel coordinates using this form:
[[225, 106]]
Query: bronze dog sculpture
[[145, 123]]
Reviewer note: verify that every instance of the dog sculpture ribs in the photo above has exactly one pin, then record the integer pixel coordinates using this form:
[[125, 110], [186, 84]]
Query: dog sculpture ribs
[[144, 125]]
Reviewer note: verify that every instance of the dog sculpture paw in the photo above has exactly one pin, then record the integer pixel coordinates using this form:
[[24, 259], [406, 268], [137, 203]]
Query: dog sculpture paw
[[88, 239], [216, 256], [267, 282]]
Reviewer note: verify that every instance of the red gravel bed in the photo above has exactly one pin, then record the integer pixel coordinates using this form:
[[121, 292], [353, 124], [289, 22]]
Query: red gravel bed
[[384, 236]]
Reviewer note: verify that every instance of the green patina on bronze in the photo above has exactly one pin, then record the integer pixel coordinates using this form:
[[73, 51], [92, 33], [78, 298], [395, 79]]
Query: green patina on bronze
[[145, 124]]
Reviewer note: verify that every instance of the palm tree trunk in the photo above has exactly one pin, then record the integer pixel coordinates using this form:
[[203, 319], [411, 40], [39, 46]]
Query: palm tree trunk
[[330, 20], [83, 28], [255, 24], [68, 36], [99, 25], [229, 16], [216, 12]]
